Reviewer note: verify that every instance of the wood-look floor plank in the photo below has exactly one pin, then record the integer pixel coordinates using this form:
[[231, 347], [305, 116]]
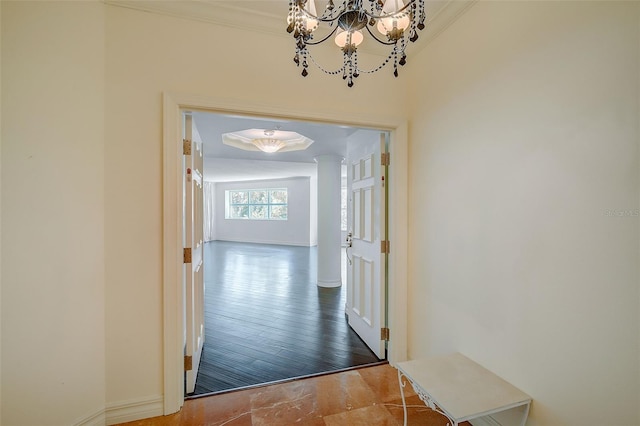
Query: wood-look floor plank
[[267, 320]]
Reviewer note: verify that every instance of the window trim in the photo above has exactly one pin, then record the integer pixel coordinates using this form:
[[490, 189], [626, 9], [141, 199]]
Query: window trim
[[228, 208]]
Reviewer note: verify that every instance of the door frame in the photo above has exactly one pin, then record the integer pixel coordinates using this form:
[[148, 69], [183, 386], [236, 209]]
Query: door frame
[[173, 301]]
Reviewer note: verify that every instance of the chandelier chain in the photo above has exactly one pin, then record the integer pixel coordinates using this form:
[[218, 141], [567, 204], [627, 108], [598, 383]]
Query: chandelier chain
[[338, 71]]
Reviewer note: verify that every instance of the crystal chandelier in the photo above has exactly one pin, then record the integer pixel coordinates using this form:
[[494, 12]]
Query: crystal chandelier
[[391, 18]]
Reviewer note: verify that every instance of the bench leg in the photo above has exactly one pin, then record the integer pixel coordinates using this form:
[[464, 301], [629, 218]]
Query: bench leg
[[404, 402], [424, 397]]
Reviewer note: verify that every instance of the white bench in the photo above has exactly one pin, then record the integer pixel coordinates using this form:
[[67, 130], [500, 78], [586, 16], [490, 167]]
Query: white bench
[[462, 390]]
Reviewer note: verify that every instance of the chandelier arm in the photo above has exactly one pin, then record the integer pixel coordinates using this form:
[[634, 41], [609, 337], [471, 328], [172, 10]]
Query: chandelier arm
[[315, 43], [374, 16], [321, 18], [386, 43], [332, 18]]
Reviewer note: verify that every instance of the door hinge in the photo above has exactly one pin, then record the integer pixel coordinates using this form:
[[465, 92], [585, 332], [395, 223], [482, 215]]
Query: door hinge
[[385, 246], [384, 333], [186, 255], [188, 363], [385, 159], [186, 147]]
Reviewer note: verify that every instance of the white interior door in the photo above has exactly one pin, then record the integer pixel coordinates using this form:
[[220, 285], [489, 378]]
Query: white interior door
[[193, 258], [366, 277]]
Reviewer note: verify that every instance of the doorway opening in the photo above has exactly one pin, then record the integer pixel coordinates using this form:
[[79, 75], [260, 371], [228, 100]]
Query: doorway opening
[[173, 296], [266, 320]]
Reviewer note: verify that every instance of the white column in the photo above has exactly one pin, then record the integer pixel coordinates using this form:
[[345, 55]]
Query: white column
[[329, 185]]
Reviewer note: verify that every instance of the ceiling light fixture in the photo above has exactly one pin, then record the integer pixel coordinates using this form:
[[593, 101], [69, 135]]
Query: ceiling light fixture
[[391, 18], [269, 141]]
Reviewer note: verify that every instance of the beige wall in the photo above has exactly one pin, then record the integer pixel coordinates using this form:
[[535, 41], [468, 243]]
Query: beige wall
[[524, 133], [53, 340], [524, 140], [146, 55]]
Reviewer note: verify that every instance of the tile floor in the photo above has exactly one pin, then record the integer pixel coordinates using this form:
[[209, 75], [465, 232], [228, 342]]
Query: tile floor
[[364, 397]]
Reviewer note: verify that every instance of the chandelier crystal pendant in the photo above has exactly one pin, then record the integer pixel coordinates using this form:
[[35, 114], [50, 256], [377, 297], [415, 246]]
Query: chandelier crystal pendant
[[392, 19]]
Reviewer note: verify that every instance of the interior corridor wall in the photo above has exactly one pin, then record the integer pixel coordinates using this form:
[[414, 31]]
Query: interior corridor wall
[[293, 231], [524, 203], [53, 329], [147, 54]]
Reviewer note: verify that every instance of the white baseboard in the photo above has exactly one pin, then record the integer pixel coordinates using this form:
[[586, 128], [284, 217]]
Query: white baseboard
[[128, 411], [278, 243], [96, 419]]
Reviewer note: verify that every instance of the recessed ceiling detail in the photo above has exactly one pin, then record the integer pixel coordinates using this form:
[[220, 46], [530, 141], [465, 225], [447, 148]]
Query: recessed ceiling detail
[[266, 140]]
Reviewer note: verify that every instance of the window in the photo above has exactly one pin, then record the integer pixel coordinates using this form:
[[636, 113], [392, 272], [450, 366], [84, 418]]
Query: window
[[257, 204]]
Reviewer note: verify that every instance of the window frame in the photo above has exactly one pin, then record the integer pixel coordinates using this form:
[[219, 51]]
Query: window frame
[[344, 203], [251, 206]]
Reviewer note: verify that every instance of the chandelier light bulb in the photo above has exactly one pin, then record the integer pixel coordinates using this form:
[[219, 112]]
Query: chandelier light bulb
[[392, 20], [310, 14], [342, 38], [398, 22], [392, 6]]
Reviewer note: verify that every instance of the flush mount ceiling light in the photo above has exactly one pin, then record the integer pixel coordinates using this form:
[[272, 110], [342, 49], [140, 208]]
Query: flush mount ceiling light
[[269, 140], [391, 18]]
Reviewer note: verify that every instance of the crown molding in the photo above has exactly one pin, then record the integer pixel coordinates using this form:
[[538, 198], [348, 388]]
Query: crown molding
[[442, 19], [229, 14], [214, 12]]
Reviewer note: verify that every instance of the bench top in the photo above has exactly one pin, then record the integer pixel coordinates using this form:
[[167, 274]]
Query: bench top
[[461, 387]]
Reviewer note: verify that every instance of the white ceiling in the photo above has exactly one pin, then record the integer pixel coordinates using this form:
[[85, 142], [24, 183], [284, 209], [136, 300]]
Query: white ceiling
[[225, 163], [328, 139]]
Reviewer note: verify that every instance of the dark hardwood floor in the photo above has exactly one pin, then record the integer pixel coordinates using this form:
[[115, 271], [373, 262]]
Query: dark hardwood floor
[[267, 320]]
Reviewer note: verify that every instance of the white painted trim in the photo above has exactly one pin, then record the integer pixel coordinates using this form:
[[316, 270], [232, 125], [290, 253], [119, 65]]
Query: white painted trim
[[173, 321], [399, 242], [276, 243], [329, 284], [96, 419], [213, 12], [135, 409], [273, 110], [172, 278]]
